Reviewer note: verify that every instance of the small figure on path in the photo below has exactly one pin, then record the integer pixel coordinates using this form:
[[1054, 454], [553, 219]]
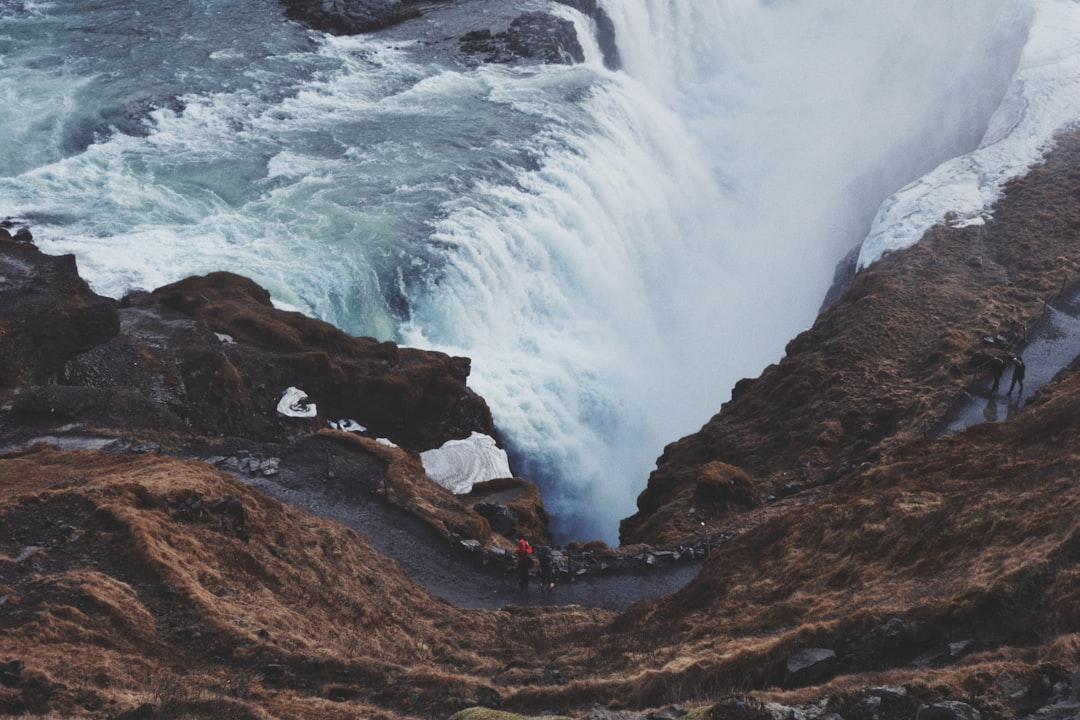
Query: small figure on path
[[1018, 374], [996, 364], [524, 553], [547, 564]]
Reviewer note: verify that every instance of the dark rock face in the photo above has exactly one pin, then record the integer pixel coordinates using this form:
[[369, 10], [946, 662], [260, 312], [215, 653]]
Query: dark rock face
[[209, 357], [350, 17], [48, 314]]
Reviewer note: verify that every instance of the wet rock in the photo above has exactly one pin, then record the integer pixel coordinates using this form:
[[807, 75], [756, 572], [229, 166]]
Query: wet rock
[[488, 696], [503, 520], [961, 647], [809, 666], [887, 636], [417, 399], [12, 230], [472, 546], [531, 37]]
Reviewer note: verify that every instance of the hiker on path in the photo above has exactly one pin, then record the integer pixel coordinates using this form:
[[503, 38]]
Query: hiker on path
[[524, 554], [547, 566], [996, 364], [1018, 374]]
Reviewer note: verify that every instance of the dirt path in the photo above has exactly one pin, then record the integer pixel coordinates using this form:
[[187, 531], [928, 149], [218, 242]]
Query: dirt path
[[454, 576]]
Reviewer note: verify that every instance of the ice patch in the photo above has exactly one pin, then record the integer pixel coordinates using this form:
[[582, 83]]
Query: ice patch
[[460, 464]]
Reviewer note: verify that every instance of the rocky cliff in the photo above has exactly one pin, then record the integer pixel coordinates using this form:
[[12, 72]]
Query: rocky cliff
[[883, 365]]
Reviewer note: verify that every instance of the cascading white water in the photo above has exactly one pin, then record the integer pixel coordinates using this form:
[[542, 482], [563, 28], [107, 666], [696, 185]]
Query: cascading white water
[[613, 249]]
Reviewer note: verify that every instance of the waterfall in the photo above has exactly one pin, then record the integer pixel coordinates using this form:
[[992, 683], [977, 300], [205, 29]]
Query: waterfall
[[695, 227], [614, 249]]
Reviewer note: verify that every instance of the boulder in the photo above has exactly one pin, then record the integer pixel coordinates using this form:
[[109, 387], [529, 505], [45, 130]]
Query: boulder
[[809, 666], [718, 484], [503, 520]]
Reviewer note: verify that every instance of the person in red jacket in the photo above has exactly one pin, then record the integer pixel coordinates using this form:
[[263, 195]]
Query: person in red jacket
[[524, 553]]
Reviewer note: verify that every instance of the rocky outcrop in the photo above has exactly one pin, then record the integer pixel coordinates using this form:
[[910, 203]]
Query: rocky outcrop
[[48, 314], [532, 37], [513, 507], [217, 347], [211, 356]]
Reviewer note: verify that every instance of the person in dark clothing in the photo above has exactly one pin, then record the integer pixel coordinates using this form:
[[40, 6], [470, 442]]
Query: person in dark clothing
[[547, 568], [1018, 374], [996, 365], [524, 554]]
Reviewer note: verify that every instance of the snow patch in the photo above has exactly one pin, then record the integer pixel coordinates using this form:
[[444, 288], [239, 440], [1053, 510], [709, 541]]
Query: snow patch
[[295, 403], [1043, 99], [460, 464]]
